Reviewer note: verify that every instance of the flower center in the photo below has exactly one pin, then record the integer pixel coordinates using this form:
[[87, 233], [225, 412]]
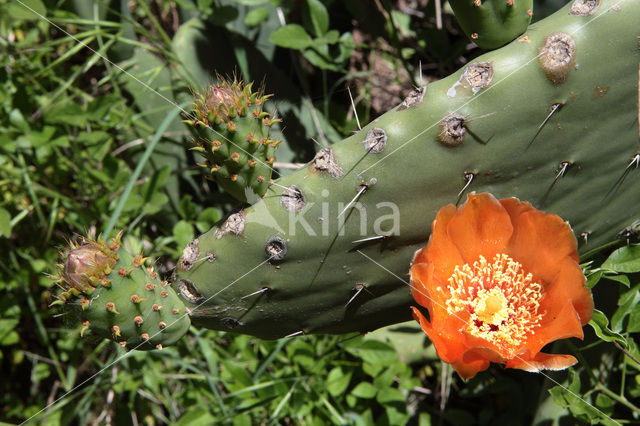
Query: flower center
[[502, 301], [491, 307]]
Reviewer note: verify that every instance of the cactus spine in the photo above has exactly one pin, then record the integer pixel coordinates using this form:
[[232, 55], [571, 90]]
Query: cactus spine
[[546, 118]]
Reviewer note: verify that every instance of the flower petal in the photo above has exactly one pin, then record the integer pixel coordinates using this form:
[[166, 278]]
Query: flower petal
[[480, 227], [449, 348], [490, 350], [568, 287], [420, 276], [542, 361], [440, 250], [561, 326], [468, 370], [480, 352], [515, 207], [429, 292], [540, 242]]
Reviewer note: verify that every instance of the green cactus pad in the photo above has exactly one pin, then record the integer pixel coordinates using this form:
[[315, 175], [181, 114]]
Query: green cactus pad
[[567, 144], [493, 23], [233, 135], [119, 298]]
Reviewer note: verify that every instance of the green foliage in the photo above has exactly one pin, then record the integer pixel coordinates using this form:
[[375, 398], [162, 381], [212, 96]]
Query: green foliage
[[624, 260], [600, 324], [84, 146], [614, 382], [328, 50]]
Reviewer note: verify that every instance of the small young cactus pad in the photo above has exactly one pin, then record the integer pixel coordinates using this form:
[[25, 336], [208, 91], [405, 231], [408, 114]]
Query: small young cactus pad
[[118, 297], [492, 23], [233, 134]]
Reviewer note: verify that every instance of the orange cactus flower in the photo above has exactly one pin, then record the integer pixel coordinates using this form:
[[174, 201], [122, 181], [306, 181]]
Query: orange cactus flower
[[500, 280]]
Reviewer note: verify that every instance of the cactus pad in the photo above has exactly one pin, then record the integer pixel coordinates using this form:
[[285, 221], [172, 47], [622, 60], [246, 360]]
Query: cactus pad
[[492, 23], [233, 134], [120, 298], [547, 119]]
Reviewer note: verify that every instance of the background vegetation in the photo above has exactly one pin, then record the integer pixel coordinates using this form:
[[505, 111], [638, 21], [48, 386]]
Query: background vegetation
[[89, 88]]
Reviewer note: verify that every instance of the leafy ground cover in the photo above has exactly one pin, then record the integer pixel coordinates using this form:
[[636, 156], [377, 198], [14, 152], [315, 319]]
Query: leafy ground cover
[[91, 139]]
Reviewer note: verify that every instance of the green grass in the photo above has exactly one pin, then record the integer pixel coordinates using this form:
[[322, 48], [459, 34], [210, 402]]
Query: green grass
[[88, 144]]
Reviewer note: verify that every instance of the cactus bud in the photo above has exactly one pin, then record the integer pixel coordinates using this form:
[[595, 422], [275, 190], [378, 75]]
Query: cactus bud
[[85, 263]]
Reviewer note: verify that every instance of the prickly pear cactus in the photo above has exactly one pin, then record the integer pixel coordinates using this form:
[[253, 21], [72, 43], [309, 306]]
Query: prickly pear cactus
[[493, 23], [550, 118], [118, 297], [233, 134]]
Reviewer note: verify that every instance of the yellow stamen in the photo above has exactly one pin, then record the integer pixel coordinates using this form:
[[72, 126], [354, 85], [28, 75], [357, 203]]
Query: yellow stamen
[[501, 299]]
